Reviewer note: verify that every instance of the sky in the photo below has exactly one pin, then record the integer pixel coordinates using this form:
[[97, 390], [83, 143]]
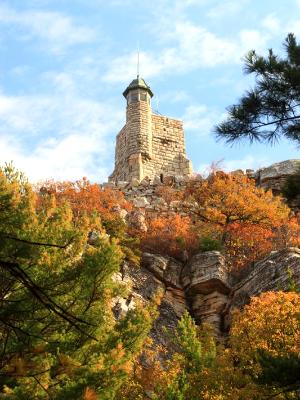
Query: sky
[[65, 63]]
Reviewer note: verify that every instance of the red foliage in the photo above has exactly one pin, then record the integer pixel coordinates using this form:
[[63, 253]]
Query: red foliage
[[171, 235], [246, 242], [86, 197]]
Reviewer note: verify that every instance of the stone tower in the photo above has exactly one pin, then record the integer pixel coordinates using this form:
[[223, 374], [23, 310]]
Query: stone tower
[[148, 145]]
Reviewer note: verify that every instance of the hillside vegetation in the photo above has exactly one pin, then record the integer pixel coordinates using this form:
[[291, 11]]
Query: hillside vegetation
[[62, 246]]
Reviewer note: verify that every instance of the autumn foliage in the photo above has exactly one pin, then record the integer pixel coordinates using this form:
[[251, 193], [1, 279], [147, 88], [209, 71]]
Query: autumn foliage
[[169, 194], [230, 214], [271, 322], [102, 205], [86, 197], [248, 221], [171, 235], [199, 369]]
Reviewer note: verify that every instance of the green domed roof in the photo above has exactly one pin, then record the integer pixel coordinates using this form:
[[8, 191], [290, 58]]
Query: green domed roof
[[137, 83]]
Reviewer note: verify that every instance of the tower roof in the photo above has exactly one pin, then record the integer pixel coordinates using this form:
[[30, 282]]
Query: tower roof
[[137, 83]]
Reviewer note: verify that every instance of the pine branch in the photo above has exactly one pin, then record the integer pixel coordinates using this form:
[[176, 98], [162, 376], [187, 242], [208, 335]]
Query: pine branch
[[7, 236], [15, 270]]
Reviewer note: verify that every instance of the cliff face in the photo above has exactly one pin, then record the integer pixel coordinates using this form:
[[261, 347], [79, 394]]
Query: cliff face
[[275, 176], [202, 287], [202, 284]]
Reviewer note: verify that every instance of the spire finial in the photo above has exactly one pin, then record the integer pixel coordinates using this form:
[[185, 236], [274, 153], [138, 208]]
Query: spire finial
[[138, 61]]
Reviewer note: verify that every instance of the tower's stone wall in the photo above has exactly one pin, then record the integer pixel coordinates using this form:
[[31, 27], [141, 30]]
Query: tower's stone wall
[[148, 145], [169, 155]]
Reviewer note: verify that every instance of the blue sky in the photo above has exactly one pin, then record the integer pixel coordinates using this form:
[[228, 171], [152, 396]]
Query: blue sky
[[65, 63]]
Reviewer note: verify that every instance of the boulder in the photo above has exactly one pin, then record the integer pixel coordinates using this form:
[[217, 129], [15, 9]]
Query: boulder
[[276, 272], [145, 182], [108, 185], [164, 268], [205, 273], [180, 178], [140, 202], [275, 176], [122, 184], [206, 284], [134, 182], [237, 172], [155, 263], [136, 219], [157, 180]]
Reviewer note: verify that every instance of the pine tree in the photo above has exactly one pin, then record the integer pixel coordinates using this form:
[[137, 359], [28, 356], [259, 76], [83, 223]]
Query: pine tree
[[58, 336], [271, 109]]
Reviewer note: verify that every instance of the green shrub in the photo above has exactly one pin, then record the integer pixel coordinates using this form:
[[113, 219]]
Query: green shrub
[[208, 243], [291, 188]]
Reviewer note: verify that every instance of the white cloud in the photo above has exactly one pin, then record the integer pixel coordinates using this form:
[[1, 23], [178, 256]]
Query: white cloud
[[67, 159], [76, 136], [252, 39], [200, 118], [293, 26], [280, 28], [186, 47], [272, 23], [248, 162], [226, 8], [58, 30], [173, 96]]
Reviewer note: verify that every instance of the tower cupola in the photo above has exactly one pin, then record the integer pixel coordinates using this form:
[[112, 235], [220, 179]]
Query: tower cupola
[[138, 90]]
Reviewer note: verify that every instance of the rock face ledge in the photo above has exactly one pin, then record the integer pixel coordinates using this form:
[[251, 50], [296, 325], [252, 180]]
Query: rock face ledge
[[206, 285], [276, 272], [202, 287], [275, 176]]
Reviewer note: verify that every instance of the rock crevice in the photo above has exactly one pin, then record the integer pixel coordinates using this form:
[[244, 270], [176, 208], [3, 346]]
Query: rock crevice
[[202, 287]]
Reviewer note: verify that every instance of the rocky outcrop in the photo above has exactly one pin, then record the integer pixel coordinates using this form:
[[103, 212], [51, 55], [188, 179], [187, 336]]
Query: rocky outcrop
[[206, 285], [146, 198], [274, 177], [276, 272], [204, 272], [202, 286], [157, 275], [136, 220]]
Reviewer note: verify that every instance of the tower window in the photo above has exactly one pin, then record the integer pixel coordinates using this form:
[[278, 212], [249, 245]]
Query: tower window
[[134, 98], [143, 97]]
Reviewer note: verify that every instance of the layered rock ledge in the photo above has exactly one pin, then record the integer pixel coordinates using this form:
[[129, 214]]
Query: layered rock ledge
[[202, 287]]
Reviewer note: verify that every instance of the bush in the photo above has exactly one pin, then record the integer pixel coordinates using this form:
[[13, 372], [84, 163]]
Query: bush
[[170, 235], [291, 188], [208, 243]]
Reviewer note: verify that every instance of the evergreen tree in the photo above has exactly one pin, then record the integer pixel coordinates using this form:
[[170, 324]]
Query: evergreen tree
[[282, 372], [197, 351], [271, 109], [58, 336]]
